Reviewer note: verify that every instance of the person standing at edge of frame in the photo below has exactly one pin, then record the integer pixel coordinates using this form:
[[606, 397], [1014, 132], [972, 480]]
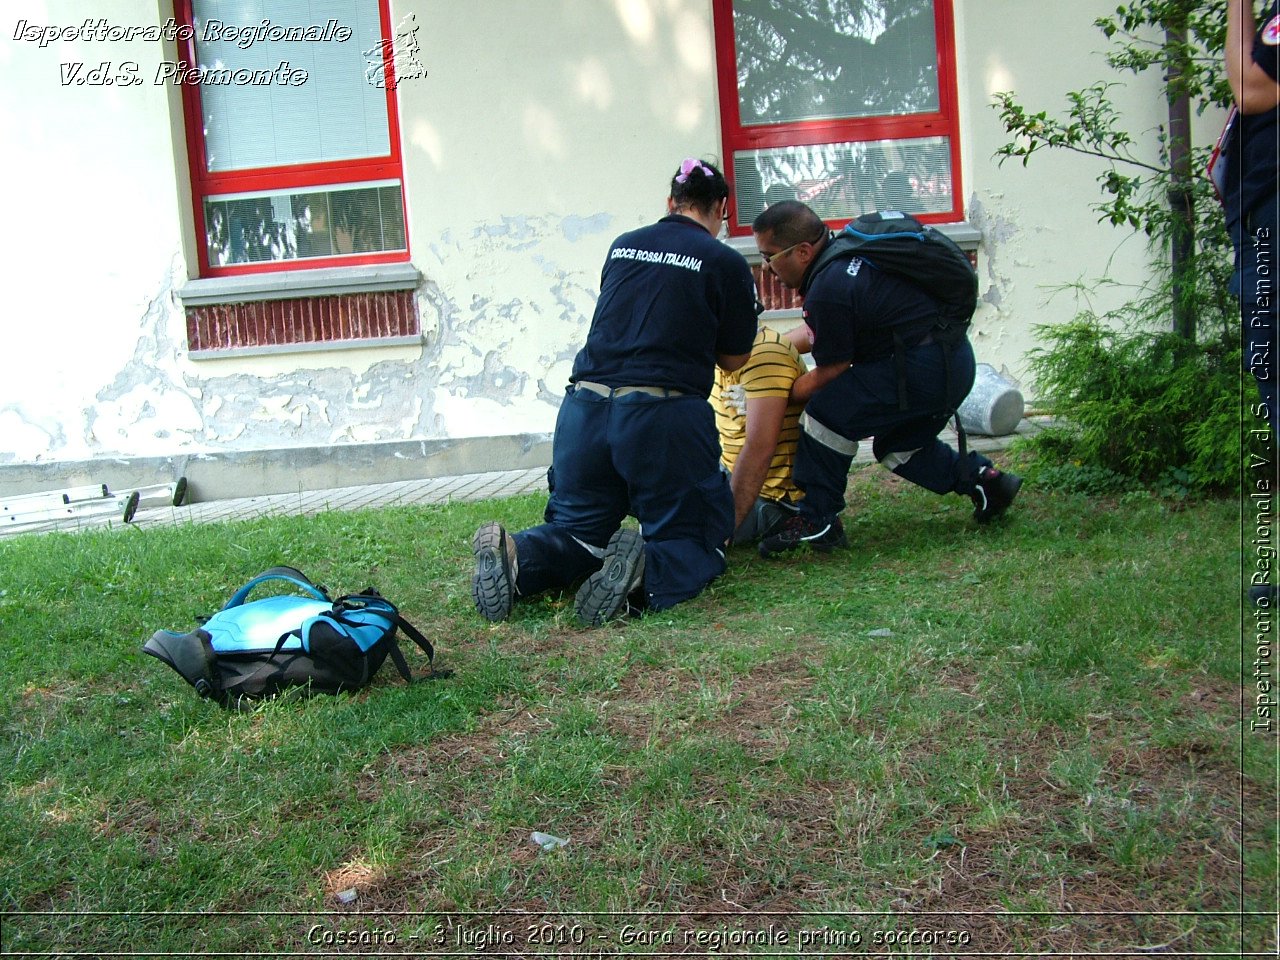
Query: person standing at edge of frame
[[1251, 189], [1248, 178], [635, 432]]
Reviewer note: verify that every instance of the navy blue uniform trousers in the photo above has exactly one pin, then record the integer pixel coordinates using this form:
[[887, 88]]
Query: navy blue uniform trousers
[[657, 458], [863, 402]]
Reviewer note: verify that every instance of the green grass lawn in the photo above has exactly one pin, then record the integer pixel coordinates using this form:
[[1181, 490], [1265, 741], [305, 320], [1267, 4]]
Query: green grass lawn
[[945, 740]]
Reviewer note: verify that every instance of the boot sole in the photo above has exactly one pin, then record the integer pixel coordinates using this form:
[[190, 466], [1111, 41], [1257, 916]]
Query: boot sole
[[491, 586], [604, 593]]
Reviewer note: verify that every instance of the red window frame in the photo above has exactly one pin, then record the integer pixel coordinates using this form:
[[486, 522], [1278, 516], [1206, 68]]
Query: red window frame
[[330, 173], [943, 123]]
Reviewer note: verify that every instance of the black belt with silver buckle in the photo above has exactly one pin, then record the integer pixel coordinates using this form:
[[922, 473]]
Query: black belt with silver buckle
[[600, 390]]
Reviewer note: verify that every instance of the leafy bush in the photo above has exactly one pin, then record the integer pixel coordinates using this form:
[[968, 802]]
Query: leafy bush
[[1151, 406]]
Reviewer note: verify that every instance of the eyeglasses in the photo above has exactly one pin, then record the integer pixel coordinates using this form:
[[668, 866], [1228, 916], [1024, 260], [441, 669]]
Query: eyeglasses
[[768, 261]]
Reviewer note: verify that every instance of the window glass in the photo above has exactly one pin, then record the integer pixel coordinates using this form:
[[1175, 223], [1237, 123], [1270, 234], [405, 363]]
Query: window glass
[[293, 132], [829, 59], [844, 180], [297, 225]]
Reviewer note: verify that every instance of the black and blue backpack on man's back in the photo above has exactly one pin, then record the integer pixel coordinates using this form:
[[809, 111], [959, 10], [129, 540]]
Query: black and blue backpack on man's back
[[255, 649], [899, 244]]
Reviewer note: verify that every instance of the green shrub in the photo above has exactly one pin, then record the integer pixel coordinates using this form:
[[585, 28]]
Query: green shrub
[[1065, 476], [1149, 406]]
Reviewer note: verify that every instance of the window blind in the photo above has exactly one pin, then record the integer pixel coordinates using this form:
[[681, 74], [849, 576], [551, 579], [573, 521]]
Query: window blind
[[337, 114]]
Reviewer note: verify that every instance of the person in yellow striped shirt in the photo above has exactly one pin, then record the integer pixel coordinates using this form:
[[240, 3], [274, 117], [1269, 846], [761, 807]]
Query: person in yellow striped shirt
[[759, 428]]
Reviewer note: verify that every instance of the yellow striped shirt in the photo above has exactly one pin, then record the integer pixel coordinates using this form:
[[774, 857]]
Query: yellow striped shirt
[[773, 367]]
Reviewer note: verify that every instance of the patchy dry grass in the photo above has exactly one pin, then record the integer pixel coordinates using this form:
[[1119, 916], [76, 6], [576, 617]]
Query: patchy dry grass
[[946, 741]]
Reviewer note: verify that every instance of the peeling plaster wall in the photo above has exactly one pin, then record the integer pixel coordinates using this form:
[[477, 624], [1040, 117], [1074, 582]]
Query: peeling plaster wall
[[587, 107], [522, 161], [92, 229], [542, 130], [488, 367]]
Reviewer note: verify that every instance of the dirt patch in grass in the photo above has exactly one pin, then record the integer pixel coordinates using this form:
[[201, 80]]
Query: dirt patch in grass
[[986, 869], [1090, 876], [765, 698], [447, 763], [723, 878], [345, 884], [634, 711], [755, 705]]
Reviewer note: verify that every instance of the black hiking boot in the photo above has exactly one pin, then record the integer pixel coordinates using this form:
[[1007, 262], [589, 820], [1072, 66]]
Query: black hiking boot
[[994, 492], [603, 596], [800, 530], [493, 584]]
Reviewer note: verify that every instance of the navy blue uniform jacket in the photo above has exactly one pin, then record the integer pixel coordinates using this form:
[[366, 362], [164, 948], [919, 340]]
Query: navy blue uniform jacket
[[672, 297]]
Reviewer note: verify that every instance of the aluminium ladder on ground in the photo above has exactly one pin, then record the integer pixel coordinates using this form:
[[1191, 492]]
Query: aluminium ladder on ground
[[84, 506]]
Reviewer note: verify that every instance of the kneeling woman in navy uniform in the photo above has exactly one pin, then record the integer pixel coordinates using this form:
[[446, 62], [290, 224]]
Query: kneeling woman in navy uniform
[[635, 433]]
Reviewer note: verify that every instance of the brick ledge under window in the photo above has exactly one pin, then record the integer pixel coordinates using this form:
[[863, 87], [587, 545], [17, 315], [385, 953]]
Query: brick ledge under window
[[329, 309]]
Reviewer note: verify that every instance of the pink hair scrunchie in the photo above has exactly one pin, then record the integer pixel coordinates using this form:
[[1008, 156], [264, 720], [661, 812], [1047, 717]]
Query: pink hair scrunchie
[[688, 166]]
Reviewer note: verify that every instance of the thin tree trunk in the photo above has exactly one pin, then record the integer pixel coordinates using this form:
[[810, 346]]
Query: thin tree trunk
[[1181, 199]]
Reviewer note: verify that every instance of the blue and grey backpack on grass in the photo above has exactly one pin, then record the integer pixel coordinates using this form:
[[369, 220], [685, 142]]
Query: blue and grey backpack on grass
[[251, 650]]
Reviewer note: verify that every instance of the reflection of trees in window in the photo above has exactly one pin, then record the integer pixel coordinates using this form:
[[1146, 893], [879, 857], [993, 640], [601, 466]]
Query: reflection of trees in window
[[843, 180], [819, 59], [357, 227], [391, 205], [303, 225], [249, 230], [312, 219]]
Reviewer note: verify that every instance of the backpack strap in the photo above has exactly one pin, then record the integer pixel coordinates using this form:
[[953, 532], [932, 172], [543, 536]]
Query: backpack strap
[[288, 574], [397, 655], [963, 450], [837, 246], [393, 648], [414, 634]]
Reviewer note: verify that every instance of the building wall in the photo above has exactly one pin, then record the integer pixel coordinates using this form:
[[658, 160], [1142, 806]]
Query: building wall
[[90, 249], [542, 129], [1040, 233]]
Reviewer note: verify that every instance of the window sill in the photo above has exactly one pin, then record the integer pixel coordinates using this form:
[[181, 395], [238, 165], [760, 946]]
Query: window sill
[[338, 308], [270, 350], [298, 284]]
